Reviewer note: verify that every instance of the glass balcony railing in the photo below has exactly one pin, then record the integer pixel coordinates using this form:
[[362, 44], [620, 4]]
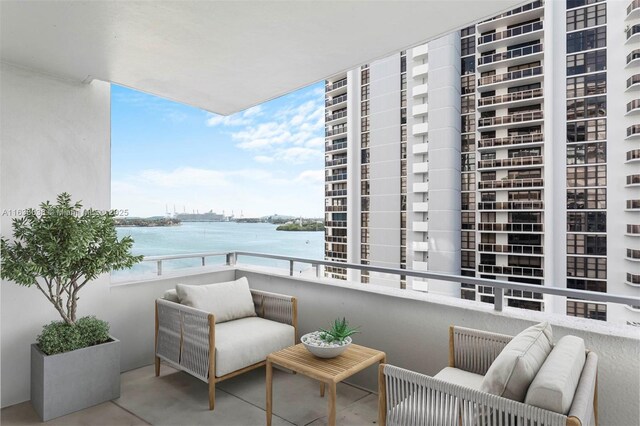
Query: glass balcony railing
[[510, 205], [511, 32], [527, 7], [510, 270], [511, 162], [635, 54], [511, 227], [633, 155], [511, 183], [510, 97], [510, 54], [335, 131], [509, 76], [510, 140], [335, 116], [336, 162], [633, 204], [335, 208], [336, 223], [633, 130], [633, 105], [335, 146], [635, 29], [336, 85], [336, 100], [510, 249], [634, 79], [511, 118], [336, 193], [333, 178]]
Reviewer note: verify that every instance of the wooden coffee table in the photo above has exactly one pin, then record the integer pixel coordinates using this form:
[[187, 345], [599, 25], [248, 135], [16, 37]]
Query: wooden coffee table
[[328, 371]]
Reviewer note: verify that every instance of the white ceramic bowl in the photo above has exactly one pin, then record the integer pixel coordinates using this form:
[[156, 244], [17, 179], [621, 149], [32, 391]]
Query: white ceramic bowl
[[325, 351]]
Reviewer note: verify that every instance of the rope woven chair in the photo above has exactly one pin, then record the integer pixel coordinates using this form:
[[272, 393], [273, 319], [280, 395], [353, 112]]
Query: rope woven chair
[[410, 398]]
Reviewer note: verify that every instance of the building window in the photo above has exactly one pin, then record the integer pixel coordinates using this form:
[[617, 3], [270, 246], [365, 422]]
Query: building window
[[468, 46], [364, 93], [587, 244], [586, 17], [468, 162], [587, 62], [468, 84], [587, 108], [468, 200], [364, 140], [587, 130], [364, 220], [468, 240], [586, 176], [468, 259], [586, 222], [468, 143], [587, 153], [587, 267], [595, 311], [364, 76], [468, 182], [587, 39], [468, 220], [588, 285], [587, 85], [590, 198], [572, 4]]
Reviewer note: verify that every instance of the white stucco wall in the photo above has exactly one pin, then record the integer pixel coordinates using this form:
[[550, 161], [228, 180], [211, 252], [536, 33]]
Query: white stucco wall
[[54, 137]]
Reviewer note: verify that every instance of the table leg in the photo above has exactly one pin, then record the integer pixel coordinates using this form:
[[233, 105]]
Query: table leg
[[331, 420], [269, 369], [321, 389]]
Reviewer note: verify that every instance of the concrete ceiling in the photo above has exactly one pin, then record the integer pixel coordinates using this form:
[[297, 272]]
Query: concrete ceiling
[[221, 56]]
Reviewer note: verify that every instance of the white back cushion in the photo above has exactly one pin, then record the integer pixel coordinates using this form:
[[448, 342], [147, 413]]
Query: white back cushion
[[514, 369], [227, 301], [555, 384]]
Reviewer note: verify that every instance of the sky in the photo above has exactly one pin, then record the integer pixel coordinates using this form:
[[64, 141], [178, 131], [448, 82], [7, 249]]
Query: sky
[[268, 159]]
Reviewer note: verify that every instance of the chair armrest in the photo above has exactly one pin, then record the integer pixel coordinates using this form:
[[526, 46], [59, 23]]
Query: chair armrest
[[184, 337], [474, 350], [584, 405], [276, 307], [412, 398]]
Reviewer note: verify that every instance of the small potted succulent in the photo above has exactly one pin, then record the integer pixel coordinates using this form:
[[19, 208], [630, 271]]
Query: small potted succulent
[[330, 343]]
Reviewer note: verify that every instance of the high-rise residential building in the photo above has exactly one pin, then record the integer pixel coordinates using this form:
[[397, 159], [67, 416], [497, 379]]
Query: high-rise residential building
[[508, 150]]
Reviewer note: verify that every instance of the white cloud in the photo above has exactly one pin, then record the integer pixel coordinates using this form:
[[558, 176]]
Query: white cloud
[[242, 118], [311, 176], [264, 159]]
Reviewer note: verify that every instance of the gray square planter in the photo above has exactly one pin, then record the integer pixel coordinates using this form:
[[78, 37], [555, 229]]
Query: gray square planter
[[71, 381]]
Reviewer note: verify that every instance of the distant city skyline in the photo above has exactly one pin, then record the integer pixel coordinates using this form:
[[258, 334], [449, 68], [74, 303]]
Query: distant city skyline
[[262, 161]]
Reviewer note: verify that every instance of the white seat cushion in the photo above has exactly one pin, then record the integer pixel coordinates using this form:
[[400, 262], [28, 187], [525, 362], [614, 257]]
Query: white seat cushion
[[246, 341], [555, 384], [460, 377], [226, 301], [514, 368]]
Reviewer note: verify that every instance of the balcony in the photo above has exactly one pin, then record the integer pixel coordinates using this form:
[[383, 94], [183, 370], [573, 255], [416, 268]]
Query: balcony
[[332, 239], [633, 107], [422, 246], [524, 13], [514, 120], [511, 249], [511, 205], [511, 227], [419, 90], [515, 35], [420, 226], [510, 183], [510, 57], [421, 207], [336, 177], [336, 193], [178, 398], [329, 88], [421, 187], [335, 223], [633, 131], [633, 10], [335, 146], [633, 59], [335, 162], [633, 155], [340, 115], [419, 110], [633, 83], [534, 139], [633, 35], [420, 129], [420, 167], [526, 76], [420, 71], [420, 148], [335, 209], [510, 162], [337, 131], [527, 97], [420, 52], [335, 102]]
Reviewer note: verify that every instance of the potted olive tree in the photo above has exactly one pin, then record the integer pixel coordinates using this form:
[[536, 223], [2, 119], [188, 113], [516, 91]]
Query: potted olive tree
[[59, 249]]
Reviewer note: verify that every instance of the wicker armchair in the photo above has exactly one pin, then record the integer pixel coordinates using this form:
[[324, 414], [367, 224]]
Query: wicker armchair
[[410, 398], [185, 337]]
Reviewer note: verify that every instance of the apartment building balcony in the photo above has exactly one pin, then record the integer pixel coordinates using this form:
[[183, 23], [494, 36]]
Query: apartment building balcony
[[515, 35], [335, 162], [335, 146], [420, 167], [632, 205], [336, 177], [633, 131], [336, 193], [500, 163], [334, 133], [420, 71], [510, 184], [336, 102], [510, 57], [418, 226], [420, 148], [633, 59], [335, 223], [511, 249], [633, 155], [530, 140], [421, 187], [336, 87], [332, 239], [633, 35], [527, 12], [420, 207], [336, 255], [335, 209], [511, 227], [420, 52], [420, 129], [511, 205], [633, 10], [422, 246], [513, 120], [419, 90], [527, 97], [526, 76], [420, 110], [633, 107], [336, 117], [516, 271], [633, 82]]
